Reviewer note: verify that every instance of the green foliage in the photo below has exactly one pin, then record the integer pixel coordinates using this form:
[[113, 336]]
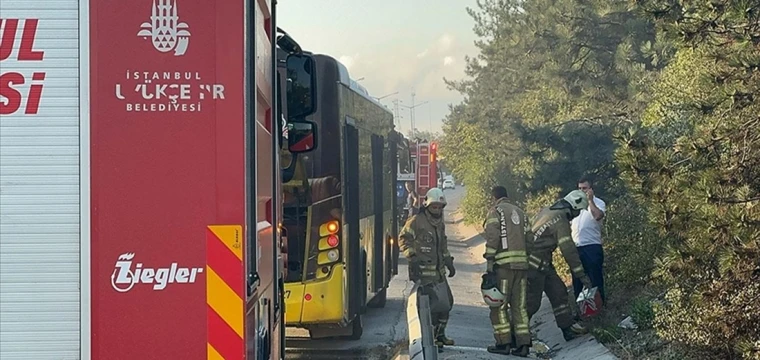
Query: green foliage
[[607, 334], [657, 99], [642, 313], [631, 244]]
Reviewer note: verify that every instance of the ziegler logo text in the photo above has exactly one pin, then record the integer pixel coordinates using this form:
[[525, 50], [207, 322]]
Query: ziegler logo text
[[126, 274]]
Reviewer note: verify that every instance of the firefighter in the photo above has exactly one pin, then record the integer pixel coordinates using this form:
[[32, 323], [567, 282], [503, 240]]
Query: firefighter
[[505, 233], [551, 229], [424, 244]]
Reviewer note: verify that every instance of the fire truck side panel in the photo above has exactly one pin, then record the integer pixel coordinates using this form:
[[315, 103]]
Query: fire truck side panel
[[40, 180], [263, 336], [168, 179]]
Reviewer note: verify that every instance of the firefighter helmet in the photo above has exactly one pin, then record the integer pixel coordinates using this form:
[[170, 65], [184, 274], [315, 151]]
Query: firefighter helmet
[[578, 200], [489, 288], [435, 196]]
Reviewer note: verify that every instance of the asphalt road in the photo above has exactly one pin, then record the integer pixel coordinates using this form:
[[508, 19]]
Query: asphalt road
[[385, 332]]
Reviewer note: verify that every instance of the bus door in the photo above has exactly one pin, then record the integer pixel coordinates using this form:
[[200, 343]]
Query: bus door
[[394, 251], [378, 247], [351, 219]]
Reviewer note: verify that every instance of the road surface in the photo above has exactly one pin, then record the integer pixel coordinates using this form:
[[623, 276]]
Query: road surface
[[385, 330]]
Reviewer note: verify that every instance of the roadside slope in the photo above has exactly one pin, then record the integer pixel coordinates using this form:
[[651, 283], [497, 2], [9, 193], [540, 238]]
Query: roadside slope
[[469, 324]]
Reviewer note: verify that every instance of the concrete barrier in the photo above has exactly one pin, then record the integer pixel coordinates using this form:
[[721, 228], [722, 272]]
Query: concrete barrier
[[421, 343]]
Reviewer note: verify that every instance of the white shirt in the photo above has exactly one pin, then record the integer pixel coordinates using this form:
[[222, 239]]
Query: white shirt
[[586, 229]]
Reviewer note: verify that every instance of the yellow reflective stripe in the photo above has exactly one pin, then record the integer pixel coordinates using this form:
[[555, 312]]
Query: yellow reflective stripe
[[515, 256], [492, 221], [500, 326], [409, 252], [578, 269], [534, 261], [504, 288], [490, 250], [523, 289], [564, 239], [505, 254], [511, 261], [561, 309], [407, 232]]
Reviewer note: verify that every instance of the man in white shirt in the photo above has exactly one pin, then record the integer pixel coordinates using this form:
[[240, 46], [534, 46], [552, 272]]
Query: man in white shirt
[[587, 235]]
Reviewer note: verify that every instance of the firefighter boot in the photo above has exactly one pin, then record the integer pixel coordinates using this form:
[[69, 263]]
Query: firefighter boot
[[521, 351], [573, 331], [499, 349], [440, 336]]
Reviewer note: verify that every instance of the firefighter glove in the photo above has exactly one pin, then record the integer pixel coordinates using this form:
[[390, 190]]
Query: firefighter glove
[[450, 266], [586, 282], [414, 268]]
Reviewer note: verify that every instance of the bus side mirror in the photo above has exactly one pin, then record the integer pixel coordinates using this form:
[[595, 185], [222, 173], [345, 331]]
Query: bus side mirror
[[301, 86], [302, 136]]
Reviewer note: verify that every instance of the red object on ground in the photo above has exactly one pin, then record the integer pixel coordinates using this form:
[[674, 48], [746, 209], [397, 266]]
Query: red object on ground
[[589, 302]]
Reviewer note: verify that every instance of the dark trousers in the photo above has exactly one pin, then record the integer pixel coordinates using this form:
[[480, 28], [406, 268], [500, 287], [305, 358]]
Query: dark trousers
[[547, 281], [592, 257]]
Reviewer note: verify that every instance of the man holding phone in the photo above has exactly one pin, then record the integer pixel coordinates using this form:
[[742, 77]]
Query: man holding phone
[[587, 235]]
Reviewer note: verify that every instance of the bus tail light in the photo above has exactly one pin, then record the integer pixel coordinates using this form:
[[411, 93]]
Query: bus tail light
[[330, 227], [332, 241], [329, 243]]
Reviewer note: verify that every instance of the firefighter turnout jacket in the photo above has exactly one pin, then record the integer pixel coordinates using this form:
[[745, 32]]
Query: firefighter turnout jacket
[[423, 242], [551, 229], [505, 231]]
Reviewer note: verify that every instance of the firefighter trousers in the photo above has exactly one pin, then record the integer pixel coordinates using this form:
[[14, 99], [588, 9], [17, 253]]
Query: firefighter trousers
[[433, 289], [510, 320], [547, 281]]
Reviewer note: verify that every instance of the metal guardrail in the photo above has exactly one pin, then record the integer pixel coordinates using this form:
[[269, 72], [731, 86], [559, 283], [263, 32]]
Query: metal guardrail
[[419, 321]]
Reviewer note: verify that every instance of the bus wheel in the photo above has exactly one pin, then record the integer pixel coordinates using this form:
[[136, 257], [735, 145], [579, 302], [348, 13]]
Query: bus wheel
[[357, 329], [378, 302]]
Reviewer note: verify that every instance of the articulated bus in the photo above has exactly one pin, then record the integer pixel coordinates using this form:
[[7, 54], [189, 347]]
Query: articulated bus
[[340, 210]]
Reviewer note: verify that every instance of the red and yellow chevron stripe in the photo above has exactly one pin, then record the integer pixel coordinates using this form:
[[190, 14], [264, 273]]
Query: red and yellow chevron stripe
[[224, 292]]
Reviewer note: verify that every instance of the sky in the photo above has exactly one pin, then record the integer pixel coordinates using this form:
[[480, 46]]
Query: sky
[[395, 45]]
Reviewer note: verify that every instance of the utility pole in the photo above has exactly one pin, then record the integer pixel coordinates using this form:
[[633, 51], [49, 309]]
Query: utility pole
[[396, 113], [411, 111]]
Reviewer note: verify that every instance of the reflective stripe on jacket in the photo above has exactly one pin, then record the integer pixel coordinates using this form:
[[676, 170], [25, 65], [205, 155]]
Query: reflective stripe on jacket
[[505, 230]]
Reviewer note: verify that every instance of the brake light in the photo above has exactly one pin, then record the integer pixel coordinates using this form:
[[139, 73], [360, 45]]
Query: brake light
[[329, 244], [332, 241]]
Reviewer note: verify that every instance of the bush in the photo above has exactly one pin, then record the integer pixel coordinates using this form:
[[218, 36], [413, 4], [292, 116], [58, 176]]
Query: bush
[[642, 313], [631, 244]]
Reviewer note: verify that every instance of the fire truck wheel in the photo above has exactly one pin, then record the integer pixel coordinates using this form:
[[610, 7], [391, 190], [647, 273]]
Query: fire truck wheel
[[378, 302]]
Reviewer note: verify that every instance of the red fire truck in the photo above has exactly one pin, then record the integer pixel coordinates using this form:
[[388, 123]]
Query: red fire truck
[[424, 160], [140, 178]]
